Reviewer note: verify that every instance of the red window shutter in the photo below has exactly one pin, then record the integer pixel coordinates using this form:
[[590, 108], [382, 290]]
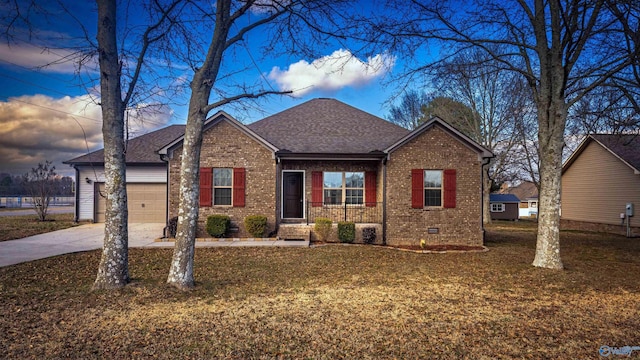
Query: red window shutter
[[238, 187], [370, 188], [316, 188], [417, 188], [449, 188], [206, 187]]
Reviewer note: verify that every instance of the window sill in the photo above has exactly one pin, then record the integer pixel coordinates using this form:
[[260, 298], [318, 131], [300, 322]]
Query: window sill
[[342, 205], [432, 208]]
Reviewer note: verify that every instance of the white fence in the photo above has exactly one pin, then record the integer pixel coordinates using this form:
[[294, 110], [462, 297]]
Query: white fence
[[27, 202]]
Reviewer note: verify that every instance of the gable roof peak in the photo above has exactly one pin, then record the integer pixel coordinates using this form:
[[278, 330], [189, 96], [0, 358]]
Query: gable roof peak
[[625, 147], [436, 121], [327, 126]]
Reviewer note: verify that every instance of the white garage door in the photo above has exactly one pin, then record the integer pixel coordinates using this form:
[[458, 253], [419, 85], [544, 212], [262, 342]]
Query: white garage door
[[147, 203]]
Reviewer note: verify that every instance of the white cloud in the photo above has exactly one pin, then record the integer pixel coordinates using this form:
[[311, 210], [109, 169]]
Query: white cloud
[[38, 128], [47, 59], [332, 72]]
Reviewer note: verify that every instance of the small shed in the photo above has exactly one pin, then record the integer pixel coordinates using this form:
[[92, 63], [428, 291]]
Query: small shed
[[504, 206]]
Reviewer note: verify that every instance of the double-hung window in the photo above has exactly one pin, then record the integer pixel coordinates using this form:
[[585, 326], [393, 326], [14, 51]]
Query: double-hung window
[[343, 188], [222, 186], [432, 188]]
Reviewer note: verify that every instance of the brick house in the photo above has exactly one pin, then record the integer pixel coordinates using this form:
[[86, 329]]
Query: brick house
[[324, 158]]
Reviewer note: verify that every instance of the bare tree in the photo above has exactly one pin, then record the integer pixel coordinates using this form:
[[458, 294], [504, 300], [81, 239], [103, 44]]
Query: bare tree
[[563, 50], [119, 65], [231, 22], [493, 98], [408, 113], [113, 271], [40, 185]]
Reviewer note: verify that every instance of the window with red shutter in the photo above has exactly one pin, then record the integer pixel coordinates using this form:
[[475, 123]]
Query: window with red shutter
[[417, 188], [370, 188], [239, 179], [206, 186], [316, 188], [449, 188]]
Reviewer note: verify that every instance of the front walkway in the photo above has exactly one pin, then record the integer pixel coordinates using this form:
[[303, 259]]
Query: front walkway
[[91, 236]]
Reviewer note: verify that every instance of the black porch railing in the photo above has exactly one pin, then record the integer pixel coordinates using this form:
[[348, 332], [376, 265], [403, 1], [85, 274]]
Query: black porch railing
[[357, 213]]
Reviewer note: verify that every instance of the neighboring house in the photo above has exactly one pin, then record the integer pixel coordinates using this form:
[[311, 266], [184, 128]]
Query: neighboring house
[[324, 158], [146, 179], [527, 192], [598, 180], [504, 206]]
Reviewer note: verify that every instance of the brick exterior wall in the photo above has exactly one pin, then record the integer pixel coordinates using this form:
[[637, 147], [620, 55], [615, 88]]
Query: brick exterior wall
[[434, 149], [224, 146]]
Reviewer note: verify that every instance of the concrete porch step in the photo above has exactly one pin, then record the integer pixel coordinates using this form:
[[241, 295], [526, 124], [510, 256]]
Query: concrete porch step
[[300, 232]]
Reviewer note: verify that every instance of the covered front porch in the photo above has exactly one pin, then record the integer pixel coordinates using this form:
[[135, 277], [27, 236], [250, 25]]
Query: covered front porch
[[346, 188], [337, 188]]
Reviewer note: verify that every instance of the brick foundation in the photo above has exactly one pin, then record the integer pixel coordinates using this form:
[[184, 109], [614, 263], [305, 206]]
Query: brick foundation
[[597, 227]]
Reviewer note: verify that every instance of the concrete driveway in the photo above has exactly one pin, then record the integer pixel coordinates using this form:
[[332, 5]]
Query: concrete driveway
[[79, 238], [91, 237]]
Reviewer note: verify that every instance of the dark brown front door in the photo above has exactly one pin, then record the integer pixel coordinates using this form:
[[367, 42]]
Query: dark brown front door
[[292, 194]]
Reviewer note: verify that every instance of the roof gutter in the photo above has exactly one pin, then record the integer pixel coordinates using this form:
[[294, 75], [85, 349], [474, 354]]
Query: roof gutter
[[485, 162], [288, 155]]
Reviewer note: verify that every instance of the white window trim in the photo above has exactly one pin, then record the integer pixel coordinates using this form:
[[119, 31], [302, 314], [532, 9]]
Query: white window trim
[[344, 188], [441, 188], [498, 207], [214, 187]]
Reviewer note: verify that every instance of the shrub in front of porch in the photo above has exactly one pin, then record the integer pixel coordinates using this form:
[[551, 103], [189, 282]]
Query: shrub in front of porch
[[346, 231], [256, 225], [323, 228], [217, 225]]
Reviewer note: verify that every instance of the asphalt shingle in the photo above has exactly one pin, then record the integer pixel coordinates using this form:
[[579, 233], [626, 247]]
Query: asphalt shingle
[[327, 126], [626, 146], [140, 150]]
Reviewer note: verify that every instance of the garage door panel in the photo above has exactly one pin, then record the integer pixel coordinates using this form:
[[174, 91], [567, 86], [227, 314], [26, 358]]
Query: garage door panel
[[146, 203]]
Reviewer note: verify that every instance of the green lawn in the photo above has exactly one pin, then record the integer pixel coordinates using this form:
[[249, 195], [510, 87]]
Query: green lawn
[[18, 227], [334, 302]]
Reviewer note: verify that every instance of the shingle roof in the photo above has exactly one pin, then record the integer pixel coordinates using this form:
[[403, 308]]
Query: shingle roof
[[526, 190], [626, 147], [327, 126], [140, 150], [503, 198]]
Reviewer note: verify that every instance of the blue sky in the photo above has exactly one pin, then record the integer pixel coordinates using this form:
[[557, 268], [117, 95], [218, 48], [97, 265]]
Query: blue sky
[[49, 112]]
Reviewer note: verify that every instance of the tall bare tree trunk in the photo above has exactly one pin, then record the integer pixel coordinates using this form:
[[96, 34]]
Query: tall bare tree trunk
[[181, 271], [551, 141], [113, 271]]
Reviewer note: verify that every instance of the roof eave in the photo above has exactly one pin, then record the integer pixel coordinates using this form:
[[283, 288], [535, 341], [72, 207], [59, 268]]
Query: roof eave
[[583, 146], [287, 155], [101, 163]]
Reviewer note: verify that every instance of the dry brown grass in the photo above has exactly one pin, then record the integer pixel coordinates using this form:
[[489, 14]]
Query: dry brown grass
[[333, 302], [18, 227]]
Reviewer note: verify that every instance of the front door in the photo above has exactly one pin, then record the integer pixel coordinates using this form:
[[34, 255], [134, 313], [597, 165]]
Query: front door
[[292, 195]]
